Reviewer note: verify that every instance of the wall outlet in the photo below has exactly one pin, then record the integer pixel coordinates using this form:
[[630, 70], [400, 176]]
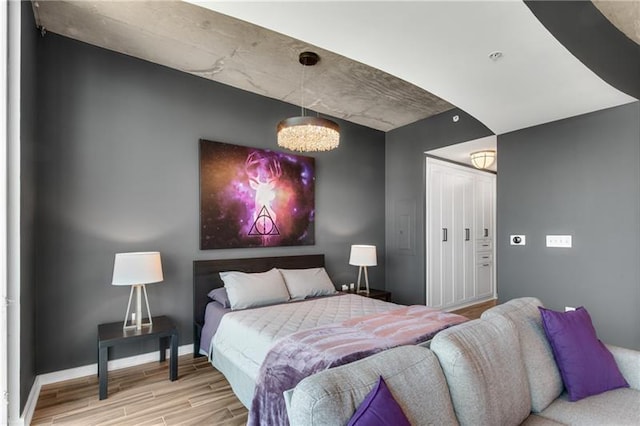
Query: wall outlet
[[559, 241], [569, 308], [518, 240]]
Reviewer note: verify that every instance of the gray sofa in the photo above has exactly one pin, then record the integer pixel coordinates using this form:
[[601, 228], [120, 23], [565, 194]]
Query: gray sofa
[[498, 370]]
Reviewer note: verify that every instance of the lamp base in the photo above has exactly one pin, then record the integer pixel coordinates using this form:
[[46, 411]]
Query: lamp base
[[366, 280], [133, 326], [138, 321]]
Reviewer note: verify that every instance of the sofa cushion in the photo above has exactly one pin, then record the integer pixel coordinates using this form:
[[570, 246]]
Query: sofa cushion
[[586, 365], [628, 361], [487, 380], [623, 405], [545, 383], [379, 408], [537, 420], [412, 373]]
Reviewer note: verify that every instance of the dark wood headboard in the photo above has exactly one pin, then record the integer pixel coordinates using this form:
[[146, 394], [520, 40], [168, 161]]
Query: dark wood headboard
[[206, 277]]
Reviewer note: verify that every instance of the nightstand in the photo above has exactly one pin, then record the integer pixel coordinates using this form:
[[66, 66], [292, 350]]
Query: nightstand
[[375, 294], [112, 334]]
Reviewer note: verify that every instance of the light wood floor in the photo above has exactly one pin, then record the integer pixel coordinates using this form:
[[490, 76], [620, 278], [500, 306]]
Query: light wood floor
[[474, 311], [143, 395]]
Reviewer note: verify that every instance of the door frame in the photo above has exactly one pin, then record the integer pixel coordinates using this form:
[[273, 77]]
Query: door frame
[[4, 365]]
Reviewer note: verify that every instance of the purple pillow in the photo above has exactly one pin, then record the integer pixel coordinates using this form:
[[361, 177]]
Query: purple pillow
[[586, 365], [220, 296], [379, 409]]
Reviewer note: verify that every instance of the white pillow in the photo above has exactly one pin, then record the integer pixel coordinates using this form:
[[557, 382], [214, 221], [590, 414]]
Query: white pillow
[[311, 282], [252, 290]]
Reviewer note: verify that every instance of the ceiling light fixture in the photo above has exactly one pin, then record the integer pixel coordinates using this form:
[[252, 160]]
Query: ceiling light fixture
[[305, 133], [483, 159]]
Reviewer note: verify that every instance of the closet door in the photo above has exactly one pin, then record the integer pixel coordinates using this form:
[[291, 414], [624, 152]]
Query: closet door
[[462, 236], [468, 249], [485, 200], [459, 235], [457, 238], [440, 198], [485, 220]]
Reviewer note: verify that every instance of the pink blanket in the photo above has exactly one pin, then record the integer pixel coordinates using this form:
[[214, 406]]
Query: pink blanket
[[301, 354]]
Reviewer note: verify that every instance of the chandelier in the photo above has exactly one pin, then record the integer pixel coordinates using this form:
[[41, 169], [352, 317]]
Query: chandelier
[[306, 133], [483, 159]]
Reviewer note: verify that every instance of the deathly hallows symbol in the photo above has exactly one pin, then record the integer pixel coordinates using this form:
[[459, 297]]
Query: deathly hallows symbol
[[264, 224]]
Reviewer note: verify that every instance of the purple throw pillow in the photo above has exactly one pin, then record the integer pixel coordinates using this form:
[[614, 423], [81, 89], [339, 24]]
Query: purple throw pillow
[[379, 408], [220, 296], [586, 365]]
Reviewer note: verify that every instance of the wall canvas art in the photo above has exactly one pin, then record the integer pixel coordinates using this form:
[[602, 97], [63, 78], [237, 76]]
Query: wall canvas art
[[252, 197]]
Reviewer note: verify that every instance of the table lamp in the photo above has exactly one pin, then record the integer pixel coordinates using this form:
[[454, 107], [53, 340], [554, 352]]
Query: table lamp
[[136, 270], [363, 256]]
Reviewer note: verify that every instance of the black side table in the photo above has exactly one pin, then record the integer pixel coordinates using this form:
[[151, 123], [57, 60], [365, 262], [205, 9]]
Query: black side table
[[379, 294], [111, 334], [374, 294]]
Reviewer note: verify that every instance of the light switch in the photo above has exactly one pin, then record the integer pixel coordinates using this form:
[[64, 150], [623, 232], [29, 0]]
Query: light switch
[[563, 241]]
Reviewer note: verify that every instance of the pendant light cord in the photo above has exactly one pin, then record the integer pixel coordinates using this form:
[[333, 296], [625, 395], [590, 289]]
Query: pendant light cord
[[302, 91]]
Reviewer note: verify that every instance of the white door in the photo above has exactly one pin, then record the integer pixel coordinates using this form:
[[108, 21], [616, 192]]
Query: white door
[[485, 189], [450, 264], [447, 239], [436, 248], [457, 237], [468, 259]]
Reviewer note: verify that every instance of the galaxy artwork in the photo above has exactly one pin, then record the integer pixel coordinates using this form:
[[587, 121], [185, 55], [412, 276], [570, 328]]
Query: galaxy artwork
[[252, 197]]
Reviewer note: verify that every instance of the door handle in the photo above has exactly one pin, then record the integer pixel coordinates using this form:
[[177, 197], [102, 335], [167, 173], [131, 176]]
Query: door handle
[[444, 234], [467, 234]]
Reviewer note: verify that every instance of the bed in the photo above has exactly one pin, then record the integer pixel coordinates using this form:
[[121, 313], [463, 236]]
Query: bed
[[243, 345]]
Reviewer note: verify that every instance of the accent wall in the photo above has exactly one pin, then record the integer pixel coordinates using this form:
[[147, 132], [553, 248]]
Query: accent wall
[[117, 171]]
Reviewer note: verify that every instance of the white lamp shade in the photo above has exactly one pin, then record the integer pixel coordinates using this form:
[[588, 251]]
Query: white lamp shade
[[363, 255], [137, 268]]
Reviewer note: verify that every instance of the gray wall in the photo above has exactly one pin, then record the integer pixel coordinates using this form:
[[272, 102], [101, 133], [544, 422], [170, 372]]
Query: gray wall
[[117, 170], [585, 32], [405, 196], [579, 176], [28, 125]]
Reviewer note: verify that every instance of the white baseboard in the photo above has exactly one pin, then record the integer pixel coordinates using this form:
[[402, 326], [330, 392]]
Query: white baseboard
[[32, 400], [86, 370]]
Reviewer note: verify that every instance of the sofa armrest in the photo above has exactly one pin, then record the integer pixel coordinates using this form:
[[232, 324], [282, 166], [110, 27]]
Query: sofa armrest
[[628, 361]]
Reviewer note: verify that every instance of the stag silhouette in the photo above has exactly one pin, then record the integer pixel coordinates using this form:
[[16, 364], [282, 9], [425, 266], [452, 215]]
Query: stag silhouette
[[263, 173]]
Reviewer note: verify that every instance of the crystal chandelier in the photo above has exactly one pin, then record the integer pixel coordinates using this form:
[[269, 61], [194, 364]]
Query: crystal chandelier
[[305, 133], [483, 159]]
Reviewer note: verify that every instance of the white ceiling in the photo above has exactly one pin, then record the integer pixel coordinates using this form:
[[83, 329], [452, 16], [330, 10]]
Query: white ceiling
[[443, 47]]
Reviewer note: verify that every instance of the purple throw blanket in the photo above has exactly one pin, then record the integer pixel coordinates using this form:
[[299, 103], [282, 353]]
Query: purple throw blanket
[[306, 352]]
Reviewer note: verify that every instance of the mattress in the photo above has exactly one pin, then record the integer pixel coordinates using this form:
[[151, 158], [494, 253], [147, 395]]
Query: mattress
[[212, 317], [243, 338]]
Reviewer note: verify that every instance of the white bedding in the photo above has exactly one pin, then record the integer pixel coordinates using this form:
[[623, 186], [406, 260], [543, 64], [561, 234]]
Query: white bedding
[[243, 338]]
